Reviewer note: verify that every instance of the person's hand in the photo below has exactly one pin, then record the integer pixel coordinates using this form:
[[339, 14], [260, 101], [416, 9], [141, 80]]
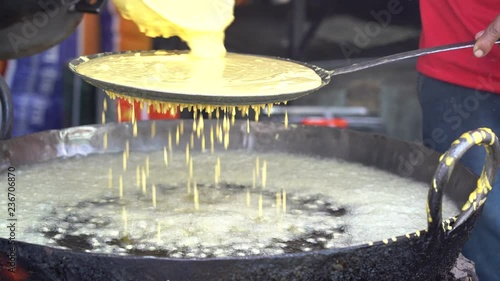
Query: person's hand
[[486, 39]]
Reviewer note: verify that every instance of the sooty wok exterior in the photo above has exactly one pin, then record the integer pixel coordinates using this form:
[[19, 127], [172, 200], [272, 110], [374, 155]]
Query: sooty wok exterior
[[422, 255]]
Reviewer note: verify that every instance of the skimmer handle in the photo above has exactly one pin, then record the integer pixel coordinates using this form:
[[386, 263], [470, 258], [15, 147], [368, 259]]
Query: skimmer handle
[[402, 56]]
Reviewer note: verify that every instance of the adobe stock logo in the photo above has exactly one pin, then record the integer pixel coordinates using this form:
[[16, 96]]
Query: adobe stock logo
[[363, 37], [30, 28]]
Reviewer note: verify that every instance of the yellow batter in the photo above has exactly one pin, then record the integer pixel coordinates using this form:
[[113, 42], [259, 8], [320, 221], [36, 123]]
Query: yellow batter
[[201, 23], [173, 72]]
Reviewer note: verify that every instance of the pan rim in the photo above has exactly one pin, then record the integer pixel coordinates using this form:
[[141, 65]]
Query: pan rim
[[154, 95]]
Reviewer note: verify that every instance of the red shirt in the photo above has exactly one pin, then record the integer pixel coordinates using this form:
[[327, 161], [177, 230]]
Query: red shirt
[[454, 21]]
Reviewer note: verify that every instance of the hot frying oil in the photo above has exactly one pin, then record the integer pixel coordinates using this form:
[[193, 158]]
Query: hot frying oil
[[325, 202]]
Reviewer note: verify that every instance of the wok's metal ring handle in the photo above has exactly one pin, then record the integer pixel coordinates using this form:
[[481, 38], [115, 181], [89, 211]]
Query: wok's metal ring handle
[[7, 113], [484, 137], [85, 6]]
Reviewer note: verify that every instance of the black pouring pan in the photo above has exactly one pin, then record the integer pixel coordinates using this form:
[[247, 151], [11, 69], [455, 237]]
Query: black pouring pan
[[248, 98], [423, 255], [30, 27], [6, 114]]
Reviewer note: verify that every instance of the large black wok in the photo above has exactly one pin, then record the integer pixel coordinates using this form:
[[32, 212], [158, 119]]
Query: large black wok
[[423, 255]]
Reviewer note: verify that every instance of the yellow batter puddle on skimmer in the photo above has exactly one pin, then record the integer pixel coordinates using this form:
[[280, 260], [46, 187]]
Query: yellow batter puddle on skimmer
[[233, 76]]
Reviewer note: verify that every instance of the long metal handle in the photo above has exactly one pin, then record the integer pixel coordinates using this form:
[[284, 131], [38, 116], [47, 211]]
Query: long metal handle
[[402, 56], [483, 137]]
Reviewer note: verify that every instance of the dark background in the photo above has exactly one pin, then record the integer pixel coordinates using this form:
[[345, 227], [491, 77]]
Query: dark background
[[261, 27]]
